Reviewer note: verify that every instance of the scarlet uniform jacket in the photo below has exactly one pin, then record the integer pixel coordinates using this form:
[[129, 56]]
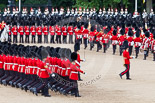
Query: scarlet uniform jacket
[[21, 30], [126, 57], [14, 30], [33, 30]]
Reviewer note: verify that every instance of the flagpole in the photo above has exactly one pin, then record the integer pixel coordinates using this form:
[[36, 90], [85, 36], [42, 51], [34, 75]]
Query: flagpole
[[19, 5], [135, 5]]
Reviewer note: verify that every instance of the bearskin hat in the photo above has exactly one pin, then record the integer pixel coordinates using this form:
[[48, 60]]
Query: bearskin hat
[[115, 32], [74, 56], [147, 34], [44, 54], [125, 44]]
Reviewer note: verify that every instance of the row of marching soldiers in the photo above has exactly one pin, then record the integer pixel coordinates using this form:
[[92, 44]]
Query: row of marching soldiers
[[39, 69], [61, 33], [140, 39]]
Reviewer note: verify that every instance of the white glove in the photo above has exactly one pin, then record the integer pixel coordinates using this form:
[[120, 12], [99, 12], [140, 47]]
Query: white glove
[[85, 73], [53, 75], [133, 57], [84, 60]]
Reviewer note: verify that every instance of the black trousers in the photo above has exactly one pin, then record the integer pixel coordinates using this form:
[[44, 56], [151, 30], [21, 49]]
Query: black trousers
[[91, 44], [153, 56], [146, 53], [15, 39], [45, 38], [27, 39], [114, 49], [39, 38], [52, 39], [45, 89], [104, 47], [21, 39], [127, 66], [58, 39], [120, 50], [33, 39], [75, 87], [99, 46], [71, 39], [65, 39], [130, 50], [137, 51], [85, 43], [9, 38]]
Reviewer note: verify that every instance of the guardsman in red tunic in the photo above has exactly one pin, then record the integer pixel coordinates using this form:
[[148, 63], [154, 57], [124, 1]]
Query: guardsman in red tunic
[[121, 40], [92, 37], [76, 49], [58, 37], [14, 31], [64, 33], [52, 33], [98, 39], [44, 74], [70, 32], [27, 33], [21, 32], [146, 44], [127, 58], [45, 31], [74, 74], [39, 33], [78, 34], [153, 46], [114, 41], [105, 40], [137, 43], [85, 35], [130, 41], [33, 33]]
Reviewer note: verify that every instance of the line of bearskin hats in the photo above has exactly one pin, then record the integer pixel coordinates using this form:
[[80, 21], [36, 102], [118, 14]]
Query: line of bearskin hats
[[33, 51]]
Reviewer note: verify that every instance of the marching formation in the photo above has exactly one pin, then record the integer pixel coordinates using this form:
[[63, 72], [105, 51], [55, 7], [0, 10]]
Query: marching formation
[[38, 69], [139, 37]]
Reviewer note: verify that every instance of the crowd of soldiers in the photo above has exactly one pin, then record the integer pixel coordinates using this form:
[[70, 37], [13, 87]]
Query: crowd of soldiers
[[38, 69]]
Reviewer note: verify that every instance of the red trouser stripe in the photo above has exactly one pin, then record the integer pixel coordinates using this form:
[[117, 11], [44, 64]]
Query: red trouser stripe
[[127, 69]]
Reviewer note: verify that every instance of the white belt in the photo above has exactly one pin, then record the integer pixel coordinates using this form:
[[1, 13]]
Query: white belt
[[68, 68], [74, 72], [63, 68], [38, 68], [30, 66], [21, 65], [8, 63], [42, 69], [15, 64]]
